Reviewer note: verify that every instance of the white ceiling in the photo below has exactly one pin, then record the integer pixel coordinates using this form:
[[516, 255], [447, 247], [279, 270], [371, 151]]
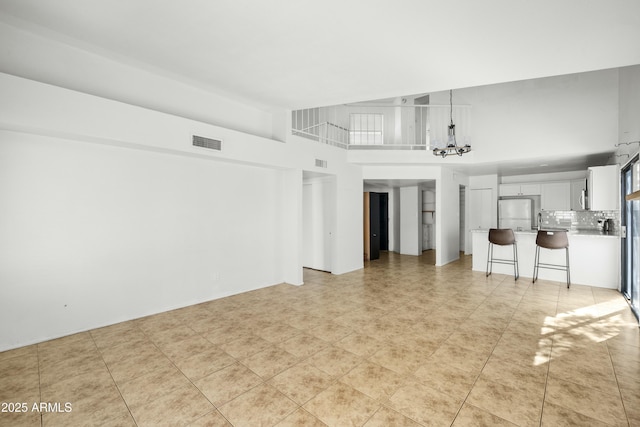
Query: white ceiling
[[299, 53]]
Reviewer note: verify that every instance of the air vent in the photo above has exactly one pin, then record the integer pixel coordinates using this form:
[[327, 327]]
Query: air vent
[[211, 144], [321, 163]]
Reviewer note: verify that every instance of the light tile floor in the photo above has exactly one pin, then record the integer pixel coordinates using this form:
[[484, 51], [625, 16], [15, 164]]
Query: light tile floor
[[399, 343]]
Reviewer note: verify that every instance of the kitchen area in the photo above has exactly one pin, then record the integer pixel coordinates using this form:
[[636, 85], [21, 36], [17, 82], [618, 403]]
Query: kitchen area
[[586, 205]]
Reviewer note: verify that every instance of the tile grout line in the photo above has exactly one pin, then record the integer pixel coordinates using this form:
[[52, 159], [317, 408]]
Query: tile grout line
[[615, 374], [559, 298], [589, 387], [185, 376], [263, 381], [113, 379], [148, 336], [546, 380], [486, 361]]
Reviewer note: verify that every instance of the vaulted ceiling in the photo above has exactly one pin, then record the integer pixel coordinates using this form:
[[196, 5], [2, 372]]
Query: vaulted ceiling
[[299, 53]]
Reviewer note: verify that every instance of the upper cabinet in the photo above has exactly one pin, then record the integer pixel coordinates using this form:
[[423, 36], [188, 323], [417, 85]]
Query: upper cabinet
[[603, 188], [519, 189], [578, 188], [602, 193], [556, 196]]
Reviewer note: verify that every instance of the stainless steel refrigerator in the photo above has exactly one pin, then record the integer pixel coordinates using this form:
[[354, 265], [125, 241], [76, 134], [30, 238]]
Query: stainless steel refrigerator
[[515, 213]]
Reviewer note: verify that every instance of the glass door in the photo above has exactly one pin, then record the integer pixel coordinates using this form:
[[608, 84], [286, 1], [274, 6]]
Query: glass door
[[630, 222]]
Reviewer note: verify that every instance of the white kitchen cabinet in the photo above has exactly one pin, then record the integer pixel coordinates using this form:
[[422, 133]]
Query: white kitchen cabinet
[[577, 186], [603, 188], [509, 189], [556, 196], [519, 190]]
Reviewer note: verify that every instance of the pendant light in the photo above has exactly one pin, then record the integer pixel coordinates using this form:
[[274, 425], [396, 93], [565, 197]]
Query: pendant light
[[452, 145]]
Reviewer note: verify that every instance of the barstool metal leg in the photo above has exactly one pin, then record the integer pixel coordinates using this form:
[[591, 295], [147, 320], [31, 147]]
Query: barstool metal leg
[[489, 259], [568, 270], [516, 268], [535, 264]]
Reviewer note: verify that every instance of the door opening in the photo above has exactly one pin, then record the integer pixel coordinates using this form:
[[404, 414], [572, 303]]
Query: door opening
[[376, 233]]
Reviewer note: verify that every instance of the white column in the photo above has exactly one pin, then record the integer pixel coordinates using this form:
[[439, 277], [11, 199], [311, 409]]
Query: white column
[[410, 221]]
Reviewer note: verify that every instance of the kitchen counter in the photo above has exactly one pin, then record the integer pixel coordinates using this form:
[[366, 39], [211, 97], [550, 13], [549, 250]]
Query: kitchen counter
[[585, 232], [594, 257]]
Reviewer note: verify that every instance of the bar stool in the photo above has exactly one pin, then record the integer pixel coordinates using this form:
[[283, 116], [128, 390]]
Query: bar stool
[[556, 239], [502, 237]]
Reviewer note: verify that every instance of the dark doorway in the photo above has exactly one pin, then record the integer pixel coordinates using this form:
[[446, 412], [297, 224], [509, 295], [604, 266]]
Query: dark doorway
[[374, 227], [384, 221], [379, 224]]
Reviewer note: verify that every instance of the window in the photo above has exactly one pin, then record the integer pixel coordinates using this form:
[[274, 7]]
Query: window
[[366, 129]]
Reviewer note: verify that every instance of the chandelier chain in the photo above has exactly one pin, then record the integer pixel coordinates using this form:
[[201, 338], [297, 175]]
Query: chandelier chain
[[451, 105], [452, 145]]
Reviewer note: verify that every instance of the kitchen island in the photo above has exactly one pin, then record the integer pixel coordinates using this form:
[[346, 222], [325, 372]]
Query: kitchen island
[[594, 257]]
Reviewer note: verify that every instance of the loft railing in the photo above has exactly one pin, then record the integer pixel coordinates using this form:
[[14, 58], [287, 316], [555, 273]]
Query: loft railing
[[327, 133], [383, 126]]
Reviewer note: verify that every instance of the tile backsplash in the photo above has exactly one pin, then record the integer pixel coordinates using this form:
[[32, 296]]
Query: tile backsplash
[[579, 220]]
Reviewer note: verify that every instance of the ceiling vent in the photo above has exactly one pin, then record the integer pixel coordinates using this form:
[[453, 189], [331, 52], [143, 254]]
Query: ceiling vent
[[211, 144], [321, 163]]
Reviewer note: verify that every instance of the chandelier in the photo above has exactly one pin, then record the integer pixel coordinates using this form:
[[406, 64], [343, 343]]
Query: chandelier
[[452, 145]]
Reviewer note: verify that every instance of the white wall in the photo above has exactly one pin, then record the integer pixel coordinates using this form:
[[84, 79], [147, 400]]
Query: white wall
[[112, 212], [348, 238], [563, 115], [291, 226], [410, 220], [463, 220], [448, 216], [94, 234], [481, 210], [47, 60], [491, 182], [394, 220], [629, 118]]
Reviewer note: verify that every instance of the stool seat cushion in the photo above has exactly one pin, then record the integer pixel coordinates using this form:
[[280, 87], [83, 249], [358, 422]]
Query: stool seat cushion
[[502, 236], [552, 239]]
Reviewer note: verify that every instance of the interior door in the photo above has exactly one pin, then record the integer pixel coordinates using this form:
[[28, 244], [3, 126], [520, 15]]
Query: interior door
[[374, 225], [318, 212], [384, 221]]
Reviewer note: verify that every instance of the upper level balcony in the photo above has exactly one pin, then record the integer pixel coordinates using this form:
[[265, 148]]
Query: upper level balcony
[[402, 125]]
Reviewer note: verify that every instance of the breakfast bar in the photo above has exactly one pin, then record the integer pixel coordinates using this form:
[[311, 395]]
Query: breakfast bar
[[593, 255]]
